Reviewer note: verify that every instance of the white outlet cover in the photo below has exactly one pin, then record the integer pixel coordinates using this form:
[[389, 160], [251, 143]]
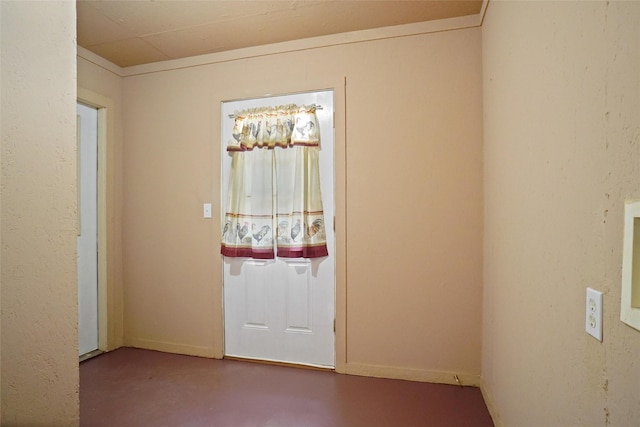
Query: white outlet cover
[[593, 318]]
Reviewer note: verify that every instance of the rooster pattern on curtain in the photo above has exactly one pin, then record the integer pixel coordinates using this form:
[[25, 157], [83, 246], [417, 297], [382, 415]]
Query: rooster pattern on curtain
[[283, 127], [275, 153]]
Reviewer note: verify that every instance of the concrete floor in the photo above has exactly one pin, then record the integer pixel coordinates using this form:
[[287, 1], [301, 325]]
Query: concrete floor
[[131, 387]]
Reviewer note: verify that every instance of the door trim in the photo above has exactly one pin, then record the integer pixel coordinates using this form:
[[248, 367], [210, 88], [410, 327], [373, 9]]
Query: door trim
[[87, 233], [338, 85], [109, 305], [339, 303]]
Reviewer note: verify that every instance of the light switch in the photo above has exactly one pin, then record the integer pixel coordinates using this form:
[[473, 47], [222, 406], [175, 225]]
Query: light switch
[[206, 210]]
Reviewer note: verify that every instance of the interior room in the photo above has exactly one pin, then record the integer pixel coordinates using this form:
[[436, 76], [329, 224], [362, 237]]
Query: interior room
[[467, 230]]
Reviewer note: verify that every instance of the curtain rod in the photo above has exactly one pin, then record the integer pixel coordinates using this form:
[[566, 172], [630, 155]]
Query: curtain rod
[[318, 107]]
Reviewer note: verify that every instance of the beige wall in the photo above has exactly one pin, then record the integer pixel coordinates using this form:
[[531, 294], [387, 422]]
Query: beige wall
[[561, 133], [561, 106], [38, 227], [562, 113], [1, 138], [414, 202], [409, 211]]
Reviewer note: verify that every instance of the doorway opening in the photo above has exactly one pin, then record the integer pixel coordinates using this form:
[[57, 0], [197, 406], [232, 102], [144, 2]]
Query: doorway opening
[[87, 240], [91, 227], [283, 310]]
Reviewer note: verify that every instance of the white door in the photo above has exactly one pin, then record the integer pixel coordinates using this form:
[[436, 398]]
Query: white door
[[283, 309], [88, 229]]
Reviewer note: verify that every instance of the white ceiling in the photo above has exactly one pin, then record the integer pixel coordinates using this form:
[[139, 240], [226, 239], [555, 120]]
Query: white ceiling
[[135, 32]]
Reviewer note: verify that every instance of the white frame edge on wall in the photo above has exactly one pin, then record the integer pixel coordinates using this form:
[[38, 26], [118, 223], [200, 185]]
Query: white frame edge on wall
[[630, 298]]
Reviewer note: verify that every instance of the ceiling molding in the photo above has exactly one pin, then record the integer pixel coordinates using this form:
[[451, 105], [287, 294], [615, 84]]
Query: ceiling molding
[[383, 33], [100, 61]]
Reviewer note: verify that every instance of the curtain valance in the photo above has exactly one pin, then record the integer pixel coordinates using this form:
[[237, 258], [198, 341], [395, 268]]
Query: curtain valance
[[274, 198], [270, 127]]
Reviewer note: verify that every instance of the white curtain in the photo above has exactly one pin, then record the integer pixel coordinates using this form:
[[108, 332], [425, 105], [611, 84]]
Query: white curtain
[[274, 205]]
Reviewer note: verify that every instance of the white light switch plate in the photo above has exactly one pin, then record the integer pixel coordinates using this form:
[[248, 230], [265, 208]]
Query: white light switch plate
[[593, 320], [206, 210]]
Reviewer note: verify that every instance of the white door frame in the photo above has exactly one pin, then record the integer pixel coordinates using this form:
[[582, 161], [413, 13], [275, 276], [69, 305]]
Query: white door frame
[[339, 87], [100, 103], [335, 345], [87, 224]]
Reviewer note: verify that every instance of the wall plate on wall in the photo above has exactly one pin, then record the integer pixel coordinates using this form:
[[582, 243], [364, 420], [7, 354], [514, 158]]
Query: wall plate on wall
[[630, 298], [593, 320]]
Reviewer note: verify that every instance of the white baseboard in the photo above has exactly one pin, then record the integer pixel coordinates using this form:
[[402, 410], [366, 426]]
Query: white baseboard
[[169, 347], [360, 369], [412, 374], [488, 400]]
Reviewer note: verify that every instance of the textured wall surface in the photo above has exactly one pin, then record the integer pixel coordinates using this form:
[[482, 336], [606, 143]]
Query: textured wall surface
[[38, 216], [562, 153]]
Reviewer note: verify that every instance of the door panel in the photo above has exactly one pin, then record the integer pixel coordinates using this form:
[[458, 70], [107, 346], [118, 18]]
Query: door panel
[[87, 242], [283, 309], [255, 295], [298, 299]]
